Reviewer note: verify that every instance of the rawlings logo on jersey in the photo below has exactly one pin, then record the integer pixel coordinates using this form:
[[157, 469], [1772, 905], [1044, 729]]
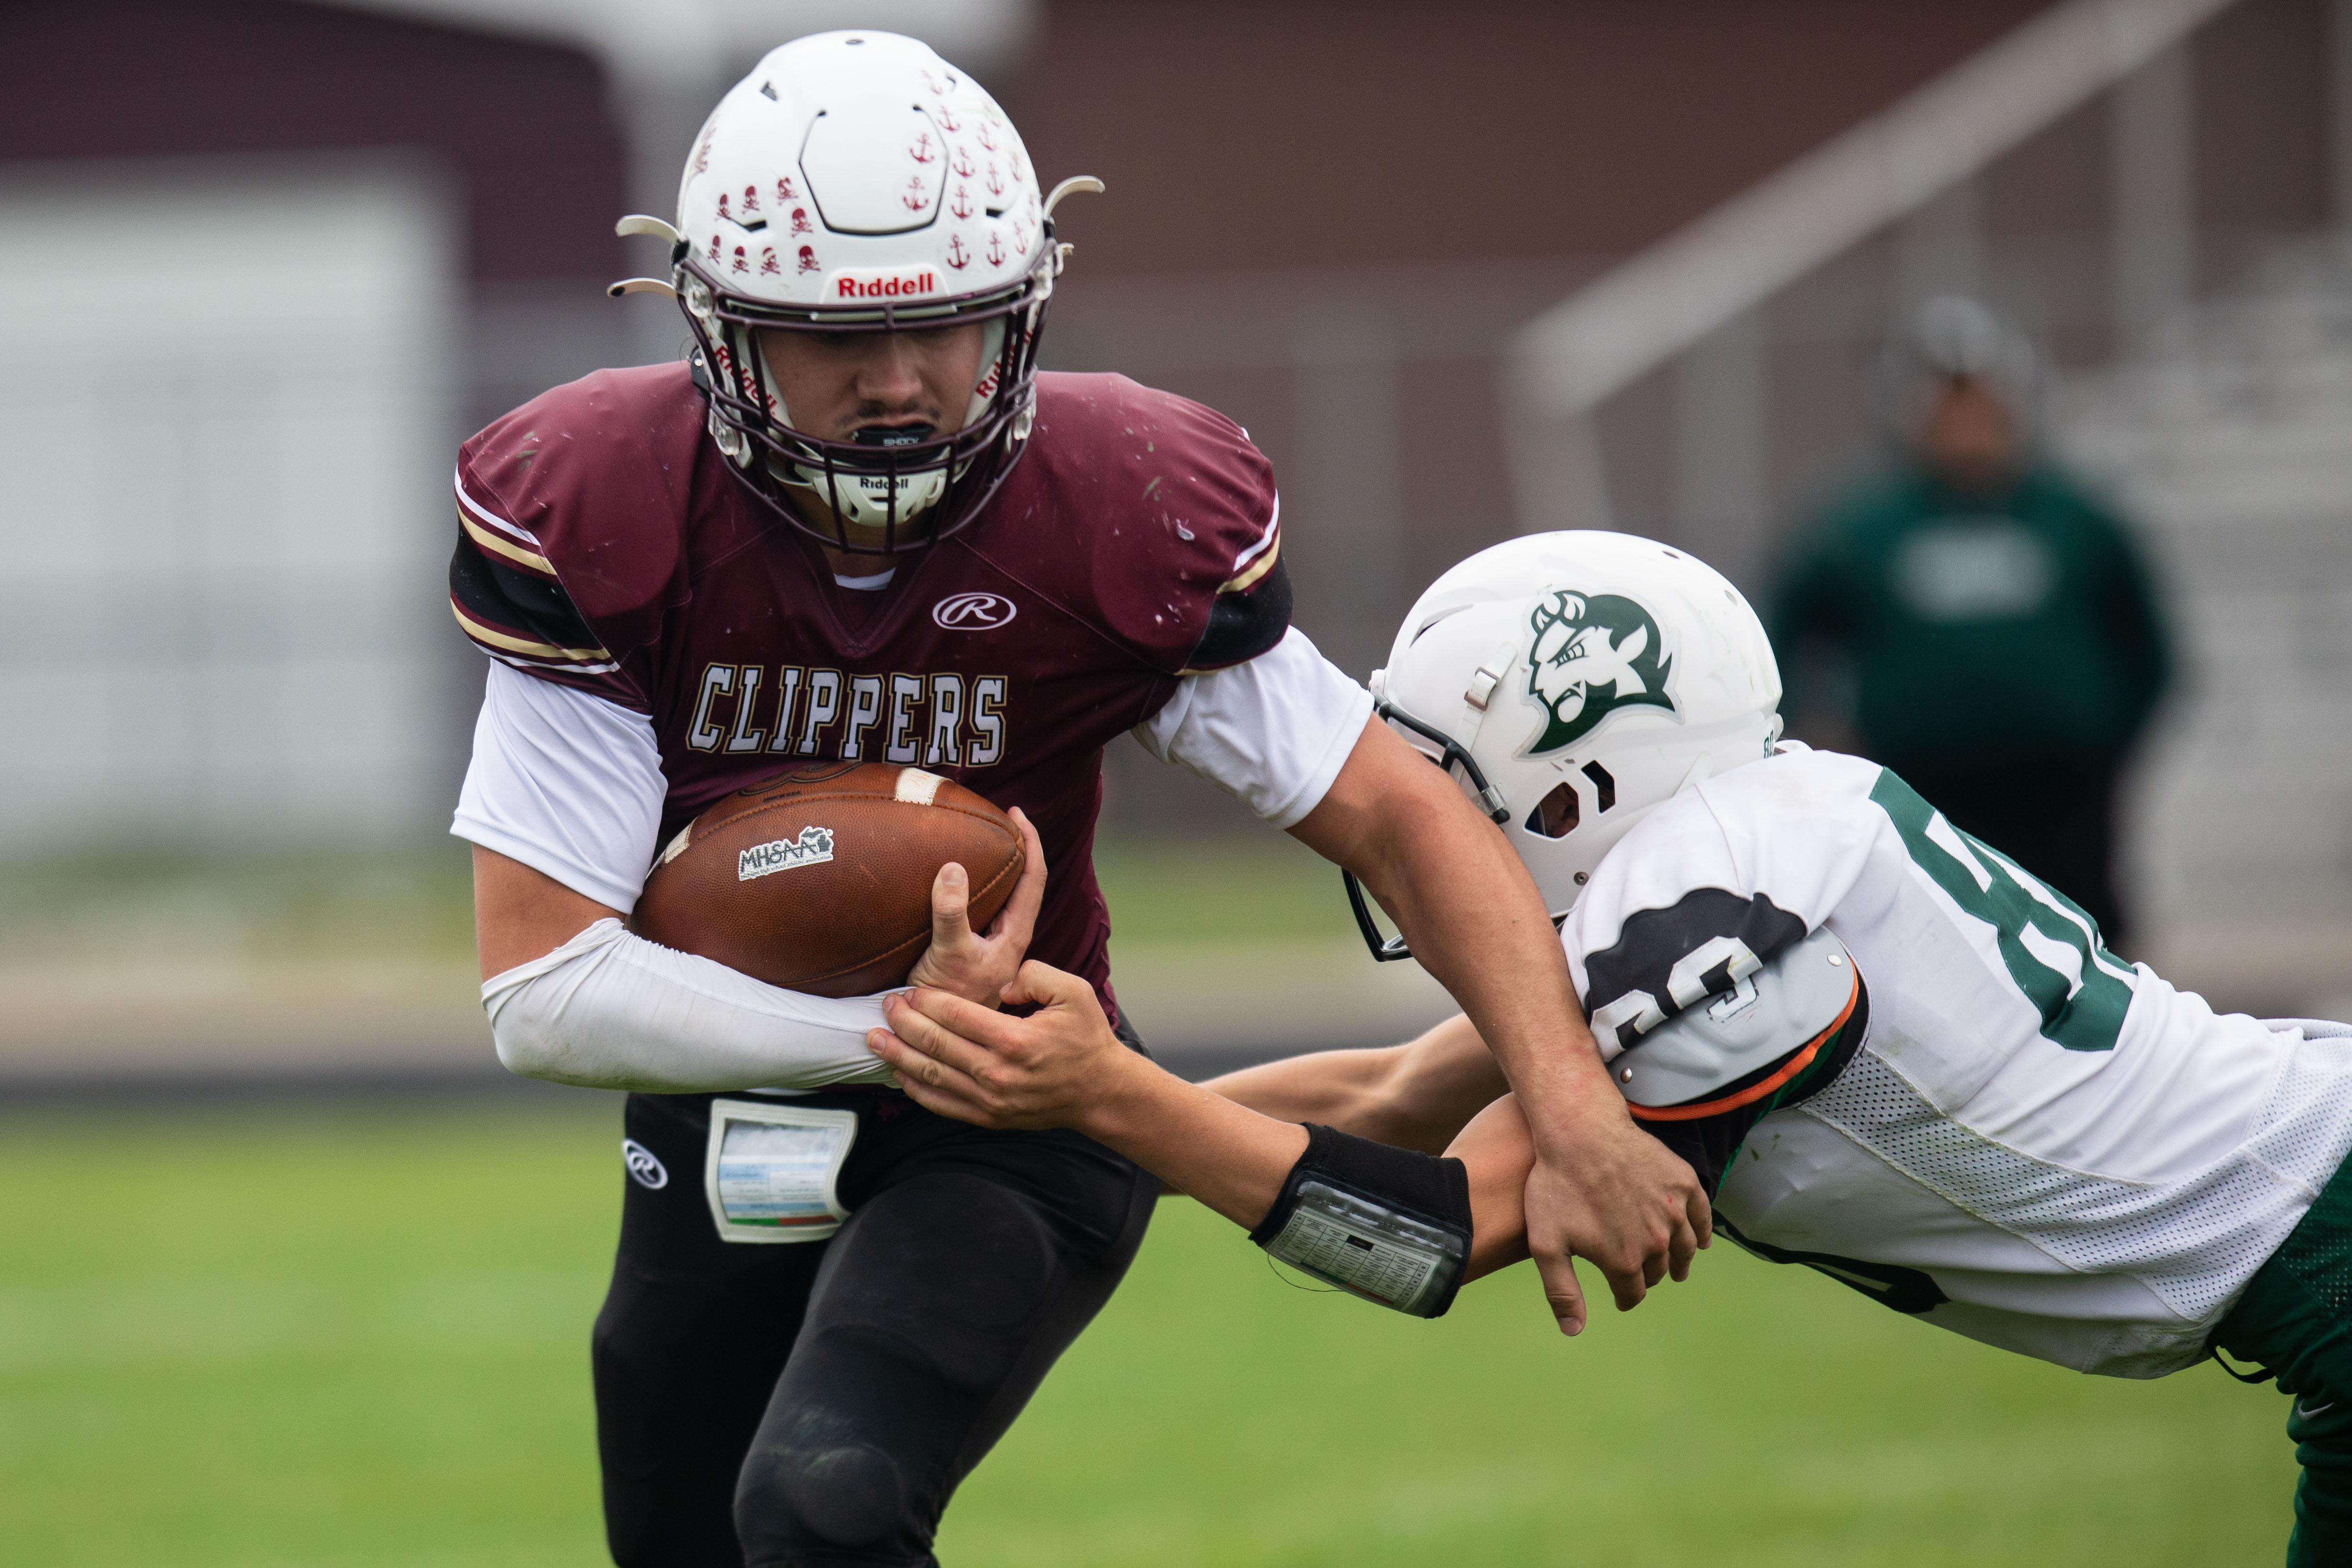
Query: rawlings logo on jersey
[[975, 612], [1593, 654]]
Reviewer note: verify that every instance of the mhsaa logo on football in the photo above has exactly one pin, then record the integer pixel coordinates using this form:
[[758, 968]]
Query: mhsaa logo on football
[[881, 283], [813, 844]]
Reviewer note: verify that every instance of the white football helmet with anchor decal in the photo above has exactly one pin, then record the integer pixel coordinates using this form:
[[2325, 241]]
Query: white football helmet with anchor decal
[[1573, 681], [855, 181]]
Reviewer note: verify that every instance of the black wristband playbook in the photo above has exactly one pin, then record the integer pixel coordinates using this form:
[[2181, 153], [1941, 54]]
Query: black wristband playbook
[[1389, 1225]]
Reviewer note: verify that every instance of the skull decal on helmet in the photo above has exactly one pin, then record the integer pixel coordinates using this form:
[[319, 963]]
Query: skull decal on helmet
[[1592, 655]]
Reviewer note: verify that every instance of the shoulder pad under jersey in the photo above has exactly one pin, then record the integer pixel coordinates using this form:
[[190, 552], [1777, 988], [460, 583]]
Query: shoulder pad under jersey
[[508, 603], [1182, 554], [1671, 957], [572, 514], [1800, 996]]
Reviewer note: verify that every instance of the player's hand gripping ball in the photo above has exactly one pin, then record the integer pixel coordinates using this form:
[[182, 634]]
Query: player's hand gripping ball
[[819, 879]]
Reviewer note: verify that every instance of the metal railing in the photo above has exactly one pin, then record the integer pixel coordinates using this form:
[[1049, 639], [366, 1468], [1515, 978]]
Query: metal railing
[[1698, 283]]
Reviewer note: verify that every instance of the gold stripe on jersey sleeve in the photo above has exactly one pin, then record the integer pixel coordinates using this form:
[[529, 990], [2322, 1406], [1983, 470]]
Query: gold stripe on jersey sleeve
[[482, 634], [1258, 568], [508, 548]]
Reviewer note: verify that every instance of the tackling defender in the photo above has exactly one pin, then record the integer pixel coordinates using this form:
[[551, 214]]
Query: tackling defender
[[860, 525], [1888, 1051]]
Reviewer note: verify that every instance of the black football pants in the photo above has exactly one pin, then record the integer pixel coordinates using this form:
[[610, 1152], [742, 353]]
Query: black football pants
[[818, 1402]]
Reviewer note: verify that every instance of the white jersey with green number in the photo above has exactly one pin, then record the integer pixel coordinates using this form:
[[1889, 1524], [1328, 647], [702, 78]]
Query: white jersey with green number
[[2033, 1143]]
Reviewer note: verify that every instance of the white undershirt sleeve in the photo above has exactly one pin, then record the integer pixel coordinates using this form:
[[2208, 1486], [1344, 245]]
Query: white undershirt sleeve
[[569, 783], [1274, 732], [611, 1010]]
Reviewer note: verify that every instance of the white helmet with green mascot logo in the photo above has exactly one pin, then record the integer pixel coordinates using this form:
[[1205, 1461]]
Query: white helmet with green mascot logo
[[1573, 681]]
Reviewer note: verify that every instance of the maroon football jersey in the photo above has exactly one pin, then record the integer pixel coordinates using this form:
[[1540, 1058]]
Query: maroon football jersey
[[604, 544]]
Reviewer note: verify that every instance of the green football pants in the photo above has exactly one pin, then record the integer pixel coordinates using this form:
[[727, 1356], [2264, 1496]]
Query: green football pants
[[2295, 1321]]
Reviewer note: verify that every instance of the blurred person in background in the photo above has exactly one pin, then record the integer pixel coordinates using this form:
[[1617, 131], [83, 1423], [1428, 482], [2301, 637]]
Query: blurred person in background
[[1972, 618]]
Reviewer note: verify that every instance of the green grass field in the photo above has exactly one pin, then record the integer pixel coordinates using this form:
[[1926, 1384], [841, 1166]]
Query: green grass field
[[321, 1337]]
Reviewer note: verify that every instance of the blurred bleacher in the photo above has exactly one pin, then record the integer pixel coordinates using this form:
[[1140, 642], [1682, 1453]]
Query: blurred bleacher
[[2229, 435]]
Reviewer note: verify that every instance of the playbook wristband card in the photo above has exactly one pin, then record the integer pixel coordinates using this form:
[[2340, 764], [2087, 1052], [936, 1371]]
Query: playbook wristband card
[[769, 1171], [1389, 1225], [1369, 1249]]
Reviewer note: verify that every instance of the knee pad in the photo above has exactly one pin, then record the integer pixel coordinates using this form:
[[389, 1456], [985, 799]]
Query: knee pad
[[821, 1489], [850, 1495]]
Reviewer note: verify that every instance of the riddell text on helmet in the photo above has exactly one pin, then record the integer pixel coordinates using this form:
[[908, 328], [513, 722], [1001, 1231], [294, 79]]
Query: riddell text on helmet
[[884, 285]]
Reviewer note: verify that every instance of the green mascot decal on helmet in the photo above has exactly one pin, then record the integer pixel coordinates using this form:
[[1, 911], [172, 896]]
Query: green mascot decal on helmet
[[1592, 655], [1607, 622]]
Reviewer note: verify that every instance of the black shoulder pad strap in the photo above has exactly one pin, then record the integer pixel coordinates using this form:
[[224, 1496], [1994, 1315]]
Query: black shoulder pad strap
[[1245, 625]]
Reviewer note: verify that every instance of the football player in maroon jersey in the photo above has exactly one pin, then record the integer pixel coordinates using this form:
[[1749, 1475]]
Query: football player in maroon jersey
[[859, 525]]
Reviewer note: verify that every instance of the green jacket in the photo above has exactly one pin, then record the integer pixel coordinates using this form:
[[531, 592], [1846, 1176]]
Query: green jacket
[[1982, 632]]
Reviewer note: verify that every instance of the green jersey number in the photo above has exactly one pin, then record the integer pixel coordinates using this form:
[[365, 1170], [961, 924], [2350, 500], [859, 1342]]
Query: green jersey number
[[2051, 947]]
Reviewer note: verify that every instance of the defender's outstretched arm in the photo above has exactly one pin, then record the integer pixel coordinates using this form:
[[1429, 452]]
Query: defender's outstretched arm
[[1062, 1066], [1418, 1095]]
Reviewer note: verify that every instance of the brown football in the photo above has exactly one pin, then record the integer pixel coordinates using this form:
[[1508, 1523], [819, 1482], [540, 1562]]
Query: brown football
[[819, 878]]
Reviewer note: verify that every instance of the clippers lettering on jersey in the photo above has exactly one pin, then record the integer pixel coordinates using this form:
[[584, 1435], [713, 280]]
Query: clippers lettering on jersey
[[946, 714], [900, 745], [718, 680], [987, 698], [744, 738], [824, 707], [865, 712], [813, 844], [916, 719], [1103, 619], [788, 686], [1593, 654]]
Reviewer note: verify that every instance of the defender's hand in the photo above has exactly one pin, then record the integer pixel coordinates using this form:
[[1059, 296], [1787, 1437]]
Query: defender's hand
[[963, 1060], [1614, 1195], [974, 966]]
